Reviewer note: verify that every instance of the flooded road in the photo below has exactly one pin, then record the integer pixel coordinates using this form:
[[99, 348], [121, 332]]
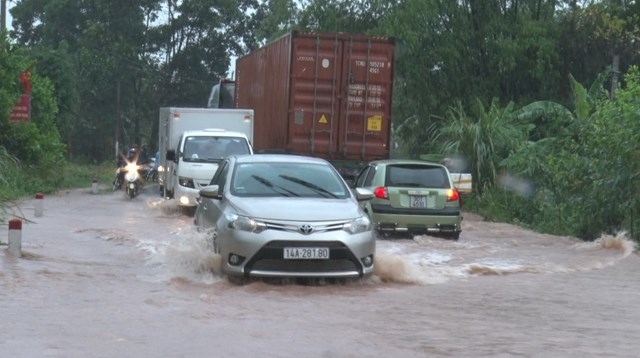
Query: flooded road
[[105, 276]]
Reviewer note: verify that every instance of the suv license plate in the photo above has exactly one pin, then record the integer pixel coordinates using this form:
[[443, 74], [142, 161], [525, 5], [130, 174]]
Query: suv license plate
[[304, 253]]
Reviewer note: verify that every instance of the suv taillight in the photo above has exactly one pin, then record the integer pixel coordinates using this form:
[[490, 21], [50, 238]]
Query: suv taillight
[[452, 195], [381, 192]]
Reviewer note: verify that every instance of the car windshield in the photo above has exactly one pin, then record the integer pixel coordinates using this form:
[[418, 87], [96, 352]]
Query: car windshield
[[268, 179], [213, 149], [419, 176]]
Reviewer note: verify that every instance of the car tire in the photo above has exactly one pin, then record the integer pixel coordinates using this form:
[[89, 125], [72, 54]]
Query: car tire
[[381, 235], [238, 280], [215, 244], [454, 236]]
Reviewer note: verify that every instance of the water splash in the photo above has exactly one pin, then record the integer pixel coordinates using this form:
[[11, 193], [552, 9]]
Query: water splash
[[187, 255], [165, 206]]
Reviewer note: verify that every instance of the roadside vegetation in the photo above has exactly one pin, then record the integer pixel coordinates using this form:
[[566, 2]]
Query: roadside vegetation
[[577, 179], [18, 181], [540, 99]]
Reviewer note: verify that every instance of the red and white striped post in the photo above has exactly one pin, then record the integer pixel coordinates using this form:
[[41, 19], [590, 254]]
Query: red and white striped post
[[15, 237], [39, 204]]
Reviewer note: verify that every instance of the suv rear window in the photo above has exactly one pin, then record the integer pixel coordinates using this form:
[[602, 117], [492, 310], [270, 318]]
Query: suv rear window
[[416, 175]]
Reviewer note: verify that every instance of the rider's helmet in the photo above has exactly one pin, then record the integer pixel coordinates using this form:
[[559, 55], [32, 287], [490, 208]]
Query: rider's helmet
[[133, 153]]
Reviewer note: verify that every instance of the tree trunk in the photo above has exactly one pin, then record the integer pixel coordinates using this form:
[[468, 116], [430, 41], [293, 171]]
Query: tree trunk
[[614, 76]]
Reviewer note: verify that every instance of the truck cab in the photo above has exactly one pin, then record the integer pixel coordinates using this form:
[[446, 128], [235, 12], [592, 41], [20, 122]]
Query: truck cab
[[192, 165]]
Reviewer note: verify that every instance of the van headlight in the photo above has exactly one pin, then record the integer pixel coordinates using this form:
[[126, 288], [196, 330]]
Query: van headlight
[[186, 182], [361, 224]]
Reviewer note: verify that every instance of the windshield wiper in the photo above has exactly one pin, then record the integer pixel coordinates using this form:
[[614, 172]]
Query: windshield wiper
[[213, 160], [311, 186], [273, 187]]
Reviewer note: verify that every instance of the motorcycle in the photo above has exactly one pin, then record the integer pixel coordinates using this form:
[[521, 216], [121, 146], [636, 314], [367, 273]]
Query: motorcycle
[[130, 176], [151, 174]]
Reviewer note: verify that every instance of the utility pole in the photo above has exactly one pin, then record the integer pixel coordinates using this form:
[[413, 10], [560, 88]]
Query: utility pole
[[117, 119], [3, 15]]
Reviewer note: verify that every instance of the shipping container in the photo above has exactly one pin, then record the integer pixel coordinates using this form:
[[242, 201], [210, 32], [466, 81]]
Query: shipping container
[[321, 94]]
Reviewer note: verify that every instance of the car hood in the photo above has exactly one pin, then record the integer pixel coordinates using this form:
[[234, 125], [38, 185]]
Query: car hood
[[298, 209]]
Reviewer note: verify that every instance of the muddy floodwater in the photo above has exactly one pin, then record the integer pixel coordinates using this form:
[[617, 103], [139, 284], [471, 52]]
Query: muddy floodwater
[[105, 276]]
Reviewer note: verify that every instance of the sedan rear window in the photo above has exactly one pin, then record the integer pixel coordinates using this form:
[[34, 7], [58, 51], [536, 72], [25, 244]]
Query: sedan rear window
[[419, 176]]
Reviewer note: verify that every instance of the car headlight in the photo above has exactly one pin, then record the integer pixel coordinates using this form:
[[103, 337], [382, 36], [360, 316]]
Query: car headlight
[[160, 168], [244, 223], [358, 225]]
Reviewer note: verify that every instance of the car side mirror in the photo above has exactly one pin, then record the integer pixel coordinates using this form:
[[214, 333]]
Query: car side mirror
[[171, 155], [363, 194], [211, 192]]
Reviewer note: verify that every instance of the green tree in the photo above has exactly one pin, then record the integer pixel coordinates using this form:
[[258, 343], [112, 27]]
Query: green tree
[[483, 138], [273, 19], [612, 148]]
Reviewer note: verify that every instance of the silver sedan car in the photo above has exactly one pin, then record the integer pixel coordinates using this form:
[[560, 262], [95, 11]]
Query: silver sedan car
[[275, 215]]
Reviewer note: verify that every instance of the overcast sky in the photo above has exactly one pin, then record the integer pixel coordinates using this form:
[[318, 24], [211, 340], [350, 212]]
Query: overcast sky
[[9, 18]]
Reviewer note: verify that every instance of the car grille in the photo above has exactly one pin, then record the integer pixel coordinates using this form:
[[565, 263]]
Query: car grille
[[270, 259], [334, 226]]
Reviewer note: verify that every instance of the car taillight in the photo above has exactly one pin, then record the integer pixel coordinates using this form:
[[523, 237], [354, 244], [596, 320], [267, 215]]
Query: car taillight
[[452, 195], [381, 192]]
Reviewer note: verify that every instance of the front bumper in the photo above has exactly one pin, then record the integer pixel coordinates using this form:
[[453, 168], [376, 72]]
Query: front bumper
[[262, 254]]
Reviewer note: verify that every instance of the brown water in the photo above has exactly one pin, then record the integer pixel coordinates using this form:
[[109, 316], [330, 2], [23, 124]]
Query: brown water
[[105, 276]]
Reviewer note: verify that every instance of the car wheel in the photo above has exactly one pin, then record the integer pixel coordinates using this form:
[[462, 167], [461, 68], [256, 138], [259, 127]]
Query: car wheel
[[382, 235], [238, 280], [216, 245], [454, 236]]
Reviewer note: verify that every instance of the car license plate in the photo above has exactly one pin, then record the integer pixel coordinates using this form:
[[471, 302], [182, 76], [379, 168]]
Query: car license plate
[[304, 253], [422, 201]]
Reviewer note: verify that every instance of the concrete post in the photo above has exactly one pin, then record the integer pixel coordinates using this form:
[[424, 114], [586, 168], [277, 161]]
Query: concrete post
[[15, 237], [94, 186], [39, 204]]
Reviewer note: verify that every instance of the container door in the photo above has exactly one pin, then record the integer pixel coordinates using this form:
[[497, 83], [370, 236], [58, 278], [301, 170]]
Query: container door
[[365, 112], [340, 102], [315, 96]]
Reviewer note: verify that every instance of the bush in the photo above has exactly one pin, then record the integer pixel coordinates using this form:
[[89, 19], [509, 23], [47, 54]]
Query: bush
[[19, 181]]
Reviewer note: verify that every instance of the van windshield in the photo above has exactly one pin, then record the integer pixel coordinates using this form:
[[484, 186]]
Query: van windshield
[[212, 148]]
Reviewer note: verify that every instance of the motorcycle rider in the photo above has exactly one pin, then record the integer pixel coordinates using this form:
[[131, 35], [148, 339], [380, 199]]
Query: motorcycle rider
[[131, 157]]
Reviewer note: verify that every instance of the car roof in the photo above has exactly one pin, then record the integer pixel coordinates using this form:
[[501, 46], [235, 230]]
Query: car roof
[[288, 158], [407, 161]]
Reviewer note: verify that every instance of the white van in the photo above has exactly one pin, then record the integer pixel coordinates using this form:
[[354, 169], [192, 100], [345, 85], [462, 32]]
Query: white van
[[196, 160]]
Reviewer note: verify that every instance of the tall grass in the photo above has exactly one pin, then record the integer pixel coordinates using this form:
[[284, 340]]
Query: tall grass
[[20, 181]]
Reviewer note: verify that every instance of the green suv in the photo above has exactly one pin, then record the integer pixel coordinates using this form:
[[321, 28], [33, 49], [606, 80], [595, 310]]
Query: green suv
[[411, 196]]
